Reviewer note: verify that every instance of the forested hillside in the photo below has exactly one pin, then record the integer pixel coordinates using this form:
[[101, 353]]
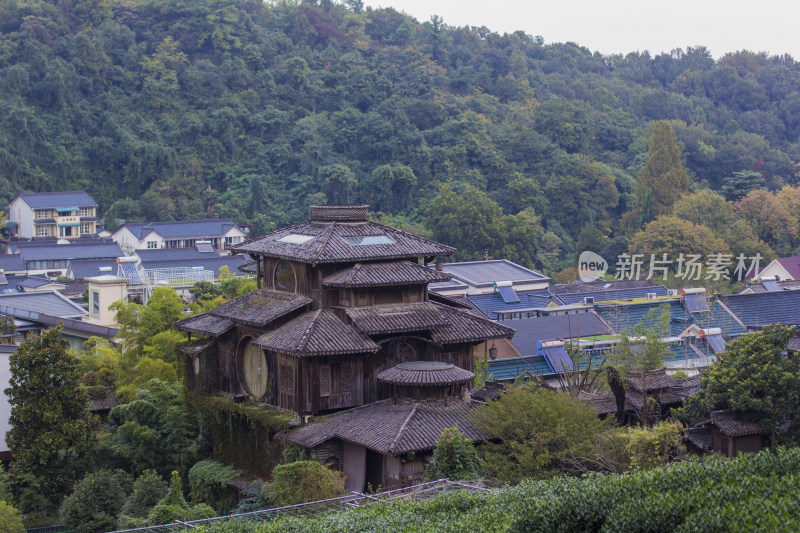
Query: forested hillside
[[177, 109]]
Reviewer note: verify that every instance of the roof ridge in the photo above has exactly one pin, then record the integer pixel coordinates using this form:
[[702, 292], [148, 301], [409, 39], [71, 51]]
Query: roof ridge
[[403, 427], [354, 271], [310, 331], [322, 245]]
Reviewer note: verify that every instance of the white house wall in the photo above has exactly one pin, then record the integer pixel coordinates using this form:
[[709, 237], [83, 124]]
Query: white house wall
[[20, 212]]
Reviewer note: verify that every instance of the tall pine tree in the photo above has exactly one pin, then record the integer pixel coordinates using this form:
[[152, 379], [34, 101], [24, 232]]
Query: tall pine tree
[[663, 174]]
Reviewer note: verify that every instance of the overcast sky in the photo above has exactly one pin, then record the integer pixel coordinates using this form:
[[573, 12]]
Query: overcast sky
[[622, 26]]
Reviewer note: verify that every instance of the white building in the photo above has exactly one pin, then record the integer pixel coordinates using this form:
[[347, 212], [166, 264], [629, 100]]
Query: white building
[[66, 215], [221, 233]]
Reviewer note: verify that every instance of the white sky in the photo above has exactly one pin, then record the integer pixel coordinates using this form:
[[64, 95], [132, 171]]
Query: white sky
[[622, 26]]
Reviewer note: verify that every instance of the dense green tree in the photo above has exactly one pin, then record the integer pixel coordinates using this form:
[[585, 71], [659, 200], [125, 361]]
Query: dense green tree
[[741, 183], [539, 434], [454, 457], [148, 490], [673, 236], [51, 430], [755, 378], [304, 481], [94, 504]]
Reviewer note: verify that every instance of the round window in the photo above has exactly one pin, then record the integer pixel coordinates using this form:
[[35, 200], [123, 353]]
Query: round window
[[254, 370], [284, 277]]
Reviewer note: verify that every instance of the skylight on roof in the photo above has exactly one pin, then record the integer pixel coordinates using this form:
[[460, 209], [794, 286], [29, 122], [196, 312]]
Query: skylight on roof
[[296, 238], [368, 240]]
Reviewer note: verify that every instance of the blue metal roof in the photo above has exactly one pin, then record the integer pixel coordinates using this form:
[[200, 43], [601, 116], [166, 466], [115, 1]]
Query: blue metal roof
[[55, 252], [759, 309], [624, 317], [209, 263], [188, 229], [11, 262], [44, 200], [512, 368], [607, 295], [488, 304], [529, 331]]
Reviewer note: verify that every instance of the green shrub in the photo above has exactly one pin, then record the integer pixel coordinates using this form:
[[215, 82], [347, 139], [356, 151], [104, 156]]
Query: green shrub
[[148, 490], [209, 482], [10, 519], [304, 481], [94, 504], [454, 457]]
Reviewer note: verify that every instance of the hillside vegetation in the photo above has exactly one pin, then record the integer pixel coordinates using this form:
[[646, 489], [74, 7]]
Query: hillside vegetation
[[177, 109], [755, 492]]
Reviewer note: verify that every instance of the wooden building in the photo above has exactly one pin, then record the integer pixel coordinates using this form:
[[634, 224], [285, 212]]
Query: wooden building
[[388, 443], [340, 299], [726, 433]]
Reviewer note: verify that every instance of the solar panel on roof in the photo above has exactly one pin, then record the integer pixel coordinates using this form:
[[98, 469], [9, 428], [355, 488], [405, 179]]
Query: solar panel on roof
[[696, 303], [771, 285], [130, 271], [508, 295], [716, 342], [557, 357]]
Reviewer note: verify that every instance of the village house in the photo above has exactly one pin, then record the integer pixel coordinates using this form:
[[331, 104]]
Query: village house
[[221, 233], [65, 215], [342, 320]]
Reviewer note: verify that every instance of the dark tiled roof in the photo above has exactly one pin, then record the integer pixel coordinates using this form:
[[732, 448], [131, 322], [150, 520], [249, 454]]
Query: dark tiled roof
[[78, 286], [249, 267], [33, 283], [650, 380], [328, 241], [390, 427], [760, 309], [382, 319], [731, 424], [317, 332], [700, 437], [603, 402], [384, 274], [425, 373], [197, 346], [205, 323], [106, 403], [605, 290], [260, 307], [465, 327], [459, 301], [794, 344], [531, 330], [44, 200], [187, 229], [490, 391]]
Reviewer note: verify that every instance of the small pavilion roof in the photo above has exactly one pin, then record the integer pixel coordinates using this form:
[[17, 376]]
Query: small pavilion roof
[[260, 307], [317, 332], [390, 427], [384, 274], [425, 373]]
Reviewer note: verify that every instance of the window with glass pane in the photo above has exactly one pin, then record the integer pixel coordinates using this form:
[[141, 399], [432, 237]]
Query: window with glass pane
[[284, 277]]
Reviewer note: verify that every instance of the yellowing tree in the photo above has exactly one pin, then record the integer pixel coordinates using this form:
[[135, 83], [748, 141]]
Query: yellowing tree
[[662, 176]]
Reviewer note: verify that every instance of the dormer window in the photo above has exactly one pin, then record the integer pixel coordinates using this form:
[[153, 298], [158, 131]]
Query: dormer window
[[285, 279], [296, 238], [369, 240]]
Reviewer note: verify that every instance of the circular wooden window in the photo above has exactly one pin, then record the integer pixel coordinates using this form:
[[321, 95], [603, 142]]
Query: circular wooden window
[[284, 279], [254, 371]]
